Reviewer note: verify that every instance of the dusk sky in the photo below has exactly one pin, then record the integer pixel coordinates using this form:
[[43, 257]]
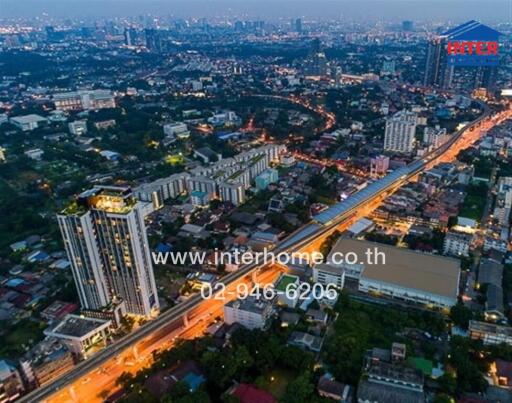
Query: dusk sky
[[484, 10]]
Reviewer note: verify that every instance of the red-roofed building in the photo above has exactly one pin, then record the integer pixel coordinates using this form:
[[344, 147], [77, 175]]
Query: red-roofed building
[[57, 310], [251, 394]]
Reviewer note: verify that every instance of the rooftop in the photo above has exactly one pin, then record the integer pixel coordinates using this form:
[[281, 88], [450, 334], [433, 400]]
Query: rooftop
[[250, 304], [437, 275], [491, 328], [32, 118], [74, 326]]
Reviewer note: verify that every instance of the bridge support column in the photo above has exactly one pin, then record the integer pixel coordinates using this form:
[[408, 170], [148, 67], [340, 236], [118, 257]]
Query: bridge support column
[[185, 320], [135, 352]]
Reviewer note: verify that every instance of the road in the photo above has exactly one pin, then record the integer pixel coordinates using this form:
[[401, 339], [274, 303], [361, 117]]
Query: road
[[299, 240], [101, 381]]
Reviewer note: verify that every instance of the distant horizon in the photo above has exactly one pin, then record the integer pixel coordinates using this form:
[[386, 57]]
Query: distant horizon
[[370, 10]]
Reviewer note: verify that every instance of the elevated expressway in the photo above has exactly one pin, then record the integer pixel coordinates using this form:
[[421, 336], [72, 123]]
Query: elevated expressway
[[155, 333]]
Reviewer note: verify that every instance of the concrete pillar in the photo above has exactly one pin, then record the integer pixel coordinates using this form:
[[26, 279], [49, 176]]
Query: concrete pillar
[[185, 320]]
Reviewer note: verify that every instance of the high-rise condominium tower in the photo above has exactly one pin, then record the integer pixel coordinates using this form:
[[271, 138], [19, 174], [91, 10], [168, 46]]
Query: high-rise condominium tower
[[106, 242]]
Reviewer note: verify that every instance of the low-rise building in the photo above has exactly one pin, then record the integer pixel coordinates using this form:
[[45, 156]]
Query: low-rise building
[[306, 341], [11, 384], [330, 388], [326, 274], [34, 154], [490, 333], [78, 127], [58, 310], [391, 383], [207, 155], [27, 122], [252, 313], [45, 362], [80, 334], [379, 166], [435, 136], [402, 273], [105, 124], [176, 129], [457, 243], [84, 99]]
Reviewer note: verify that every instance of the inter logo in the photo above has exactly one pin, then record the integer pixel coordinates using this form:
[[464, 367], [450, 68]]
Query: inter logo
[[472, 44]]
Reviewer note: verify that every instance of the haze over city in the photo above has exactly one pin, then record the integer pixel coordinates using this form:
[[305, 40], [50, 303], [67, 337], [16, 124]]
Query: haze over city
[[456, 10]]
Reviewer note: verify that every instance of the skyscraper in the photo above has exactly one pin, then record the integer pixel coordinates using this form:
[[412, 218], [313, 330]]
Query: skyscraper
[[106, 242], [298, 25], [316, 65], [130, 36], [485, 77], [437, 72], [153, 40], [407, 25]]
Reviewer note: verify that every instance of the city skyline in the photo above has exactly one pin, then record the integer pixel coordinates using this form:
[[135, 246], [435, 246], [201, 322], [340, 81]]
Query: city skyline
[[348, 10]]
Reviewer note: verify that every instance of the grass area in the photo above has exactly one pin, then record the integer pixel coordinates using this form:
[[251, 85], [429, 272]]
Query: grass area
[[422, 364], [175, 159], [284, 282], [24, 333], [483, 168], [275, 382], [474, 202]]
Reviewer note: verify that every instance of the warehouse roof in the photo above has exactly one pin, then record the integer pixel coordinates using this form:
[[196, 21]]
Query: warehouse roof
[[434, 274]]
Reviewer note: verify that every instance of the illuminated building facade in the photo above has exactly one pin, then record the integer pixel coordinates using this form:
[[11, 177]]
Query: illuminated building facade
[[106, 242]]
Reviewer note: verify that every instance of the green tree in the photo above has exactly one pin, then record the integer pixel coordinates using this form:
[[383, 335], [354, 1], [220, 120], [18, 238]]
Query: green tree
[[442, 398], [461, 315], [300, 390], [179, 389]]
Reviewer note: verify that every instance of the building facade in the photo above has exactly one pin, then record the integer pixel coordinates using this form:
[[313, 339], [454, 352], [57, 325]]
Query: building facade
[[251, 312], [400, 131], [84, 100], [106, 242], [232, 192], [437, 71]]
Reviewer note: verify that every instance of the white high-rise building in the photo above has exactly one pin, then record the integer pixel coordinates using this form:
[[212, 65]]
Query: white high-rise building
[[202, 184], [400, 130], [233, 192], [106, 242], [162, 189]]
